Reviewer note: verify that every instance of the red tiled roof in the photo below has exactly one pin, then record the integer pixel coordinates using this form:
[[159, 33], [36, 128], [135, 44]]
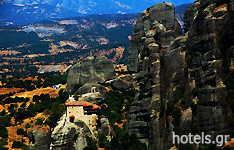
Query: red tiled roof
[[82, 103], [96, 106]]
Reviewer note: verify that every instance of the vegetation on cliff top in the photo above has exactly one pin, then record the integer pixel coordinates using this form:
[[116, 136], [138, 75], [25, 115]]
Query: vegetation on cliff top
[[22, 114]]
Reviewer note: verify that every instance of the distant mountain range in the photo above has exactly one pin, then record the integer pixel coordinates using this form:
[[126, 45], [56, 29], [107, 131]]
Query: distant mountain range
[[21, 12]]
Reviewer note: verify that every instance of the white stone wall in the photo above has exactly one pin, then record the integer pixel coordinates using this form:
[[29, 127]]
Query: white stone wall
[[78, 112]]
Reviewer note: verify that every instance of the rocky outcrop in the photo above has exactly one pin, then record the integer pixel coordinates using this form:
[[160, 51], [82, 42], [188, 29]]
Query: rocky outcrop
[[182, 78], [123, 82], [64, 133], [86, 88], [85, 93], [209, 45], [90, 70], [81, 142], [159, 59], [40, 139], [190, 14], [106, 127], [158, 18]]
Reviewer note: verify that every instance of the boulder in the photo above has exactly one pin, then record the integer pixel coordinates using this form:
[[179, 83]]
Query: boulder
[[63, 135], [40, 139], [89, 70], [121, 84], [81, 142], [86, 88], [85, 93], [124, 83], [106, 127]]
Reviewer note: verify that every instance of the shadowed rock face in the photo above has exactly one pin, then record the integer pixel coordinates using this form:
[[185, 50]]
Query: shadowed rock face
[[167, 67], [124, 83], [190, 14], [210, 43], [90, 70]]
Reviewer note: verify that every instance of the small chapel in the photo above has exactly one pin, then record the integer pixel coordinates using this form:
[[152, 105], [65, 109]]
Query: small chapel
[[82, 110]]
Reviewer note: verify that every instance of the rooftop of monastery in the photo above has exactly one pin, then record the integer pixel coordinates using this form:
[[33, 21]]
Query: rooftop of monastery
[[82, 103]]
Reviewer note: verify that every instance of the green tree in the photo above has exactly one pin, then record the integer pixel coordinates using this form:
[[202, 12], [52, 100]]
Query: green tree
[[92, 144], [3, 142], [19, 144], [3, 132], [27, 125], [102, 140], [21, 131], [39, 121], [3, 113], [123, 141]]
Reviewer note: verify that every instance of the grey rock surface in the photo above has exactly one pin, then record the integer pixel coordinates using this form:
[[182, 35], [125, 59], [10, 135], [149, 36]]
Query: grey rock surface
[[86, 88], [169, 67], [209, 38], [96, 98], [160, 66], [90, 70], [63, 136], [189, 15], [106, 127], [40, 139], [124, 83], [155, 19]]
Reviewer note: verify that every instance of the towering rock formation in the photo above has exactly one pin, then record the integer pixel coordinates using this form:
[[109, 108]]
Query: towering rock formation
[[150, 24], [190, 14], [183, 80], [90, 70], [158, 62], [210, 45]]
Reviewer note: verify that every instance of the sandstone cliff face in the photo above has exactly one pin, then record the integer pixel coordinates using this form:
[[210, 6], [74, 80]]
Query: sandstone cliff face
[[169, 68], [89, 70]]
